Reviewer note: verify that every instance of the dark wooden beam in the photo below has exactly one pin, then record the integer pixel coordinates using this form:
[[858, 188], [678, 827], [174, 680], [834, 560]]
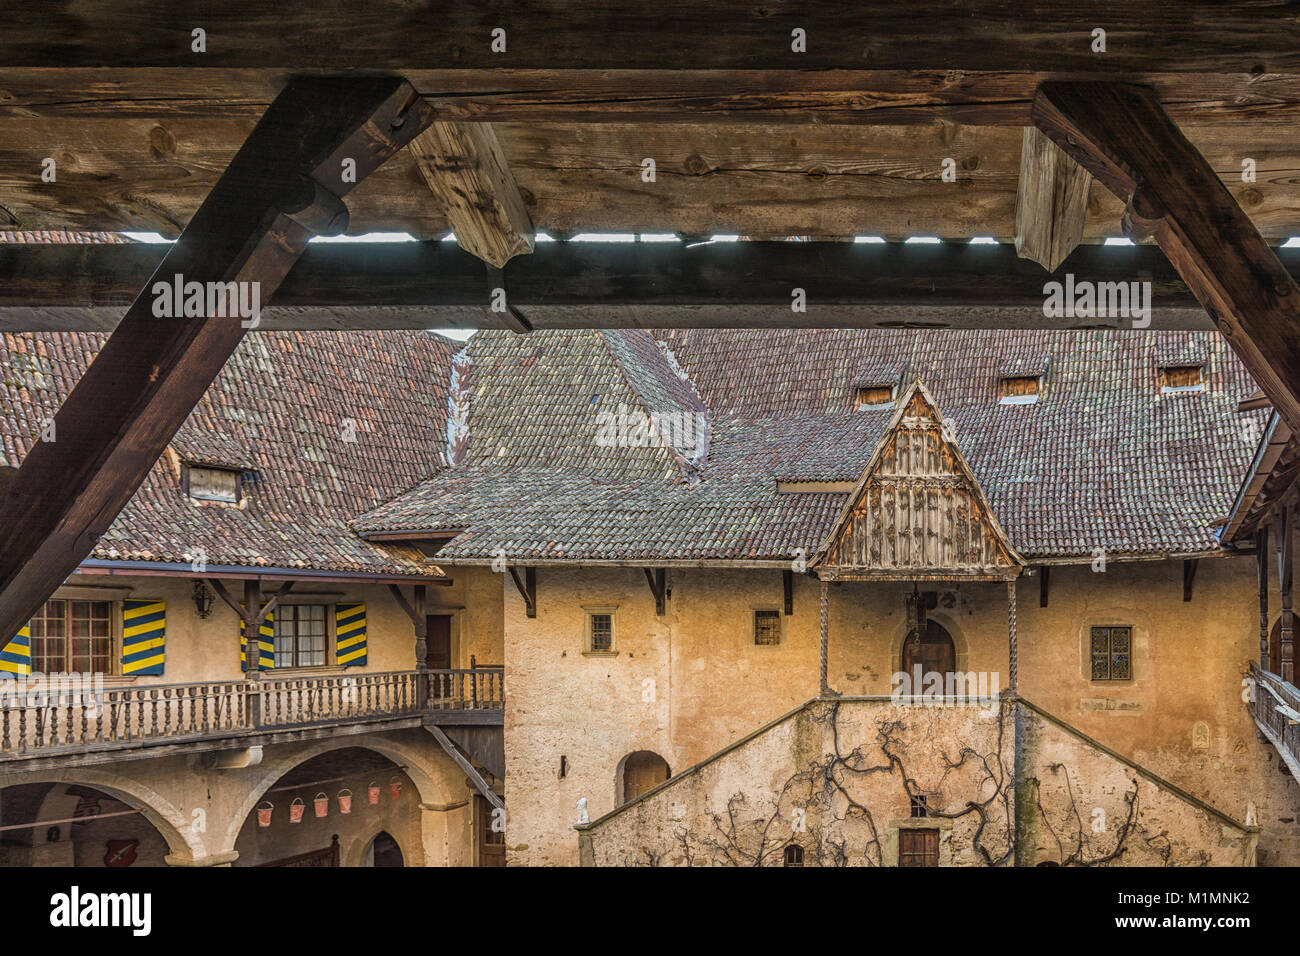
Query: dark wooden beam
[[612, 285], [1051, 201], [1044, 584], [787, 585], [527, 587], [1261, 580], [656, 579], [1189, 576], [465, 169], [927, 35], [284, 185], [1124, 138], [1285, 563]]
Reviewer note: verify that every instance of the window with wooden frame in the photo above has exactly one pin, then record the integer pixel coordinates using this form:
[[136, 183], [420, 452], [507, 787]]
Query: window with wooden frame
[[767, 627], [72, 636], [213, 484], [301, 635], [919, 806], [1177, 379], [918, 847], [793, 855], [1020, 390], [600, 631], [1111, 652], [875, 396]]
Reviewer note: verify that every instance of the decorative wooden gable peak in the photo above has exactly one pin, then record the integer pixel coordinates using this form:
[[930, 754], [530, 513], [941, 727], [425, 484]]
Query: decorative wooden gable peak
[[917, 514]]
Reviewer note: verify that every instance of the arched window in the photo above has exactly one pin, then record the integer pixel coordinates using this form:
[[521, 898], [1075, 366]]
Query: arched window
[[384, 851], [931, 651], [793, 855], [639, 772]]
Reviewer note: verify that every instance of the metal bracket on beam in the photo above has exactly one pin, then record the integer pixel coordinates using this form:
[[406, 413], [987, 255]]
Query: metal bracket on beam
[[1044, 584], [1189, 575], [657, 579], [470, 770]]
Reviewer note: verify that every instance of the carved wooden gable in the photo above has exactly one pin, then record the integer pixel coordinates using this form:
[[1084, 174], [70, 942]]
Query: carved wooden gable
[[918, 513]]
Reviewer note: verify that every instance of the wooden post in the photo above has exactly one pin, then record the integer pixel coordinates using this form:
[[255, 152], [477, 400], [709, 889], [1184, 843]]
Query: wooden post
[[253, 648], [1284, 564], [421, 620], [1261, 572], [1013, 649], [825, 632]]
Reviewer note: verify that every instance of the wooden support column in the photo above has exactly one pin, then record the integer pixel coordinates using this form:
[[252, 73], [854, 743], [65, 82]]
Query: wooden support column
[[416, 610], [1123, 137], [1013, 642], [318, 139], [466, 170], [253, 647], [824, 611], [1261, 574], [658, 587], [1284, 574], [1051, 201]]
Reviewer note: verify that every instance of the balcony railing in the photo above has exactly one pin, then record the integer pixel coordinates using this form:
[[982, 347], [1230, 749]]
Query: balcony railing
[[1275, 705], [47, 720]]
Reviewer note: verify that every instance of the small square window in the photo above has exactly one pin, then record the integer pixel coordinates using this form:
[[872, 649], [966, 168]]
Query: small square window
[[919, 806], [213, 484], [600, 632], [1020, 390], [767, 627], [793, 855], [876, 396], [1177, 379], [1111, 652]]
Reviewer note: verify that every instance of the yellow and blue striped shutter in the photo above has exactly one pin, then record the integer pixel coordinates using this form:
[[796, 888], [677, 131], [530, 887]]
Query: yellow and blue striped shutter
[[144, 636], [16, 656], [350, 635], [265, 645]]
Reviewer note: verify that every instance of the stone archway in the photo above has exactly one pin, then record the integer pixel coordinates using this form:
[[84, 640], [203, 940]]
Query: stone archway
[[638, 772]]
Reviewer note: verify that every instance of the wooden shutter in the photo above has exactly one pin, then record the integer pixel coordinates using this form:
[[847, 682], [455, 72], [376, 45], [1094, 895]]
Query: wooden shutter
[[350, 635], [16, 656], [144, 636], [265, 645]]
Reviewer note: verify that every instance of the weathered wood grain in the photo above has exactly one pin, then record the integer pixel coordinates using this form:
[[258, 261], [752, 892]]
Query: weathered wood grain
[[1051, 201]]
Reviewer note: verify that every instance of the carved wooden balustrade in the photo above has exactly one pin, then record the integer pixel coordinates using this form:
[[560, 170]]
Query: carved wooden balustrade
[[40, 719], [1275, 705]]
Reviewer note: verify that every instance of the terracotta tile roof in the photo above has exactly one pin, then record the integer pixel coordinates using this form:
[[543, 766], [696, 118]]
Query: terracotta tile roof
[[1102, 460], [329, 424]]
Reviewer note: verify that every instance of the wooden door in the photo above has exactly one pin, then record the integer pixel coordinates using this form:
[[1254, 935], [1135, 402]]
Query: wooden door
[[932, 652], [918, 847], [437, 655], [491, 843]]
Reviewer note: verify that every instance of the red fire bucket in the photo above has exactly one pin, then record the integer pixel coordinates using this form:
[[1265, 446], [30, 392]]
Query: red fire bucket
[[345, 801], [264, 814], [295, 810], [373, 793], [322, 803], [395, 788]]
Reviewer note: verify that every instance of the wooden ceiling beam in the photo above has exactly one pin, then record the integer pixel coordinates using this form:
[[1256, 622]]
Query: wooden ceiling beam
[[612, 285], [284, 185], [1124, 138], [466, 171], [1051, 201]]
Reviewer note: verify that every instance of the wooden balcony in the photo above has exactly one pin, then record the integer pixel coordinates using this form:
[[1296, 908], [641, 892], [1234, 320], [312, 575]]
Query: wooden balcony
[[167, 718], [1275, 705]]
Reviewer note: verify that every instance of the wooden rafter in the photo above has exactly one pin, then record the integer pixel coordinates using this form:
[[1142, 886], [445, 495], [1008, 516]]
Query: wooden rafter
[[1189, 577], [319, 137], [466, 170], [527, 587], [1124, 138], [1051, 201], [656, 578]]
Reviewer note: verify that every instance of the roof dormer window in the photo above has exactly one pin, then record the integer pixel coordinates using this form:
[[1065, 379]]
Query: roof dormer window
[[874, 397], [1178, 379], [1020, 389], [213, 484]]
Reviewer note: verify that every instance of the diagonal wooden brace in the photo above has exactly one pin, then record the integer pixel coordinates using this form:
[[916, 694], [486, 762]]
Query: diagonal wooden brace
[[1121, 135], [320, 137]]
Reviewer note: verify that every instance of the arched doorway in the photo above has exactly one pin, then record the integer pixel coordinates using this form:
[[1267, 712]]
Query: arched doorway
[[931, 651], [383, 851], [60, 824], [638, 772]]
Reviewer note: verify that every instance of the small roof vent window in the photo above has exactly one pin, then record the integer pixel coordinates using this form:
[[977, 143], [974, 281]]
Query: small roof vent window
[[213, 484], [1178, 379], [875, 396], [1020, 389]]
